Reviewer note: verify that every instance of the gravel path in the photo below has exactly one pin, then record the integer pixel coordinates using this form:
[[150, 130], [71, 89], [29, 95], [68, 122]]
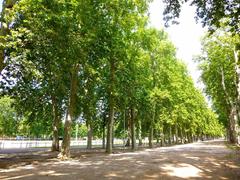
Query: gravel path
[[203, 160]]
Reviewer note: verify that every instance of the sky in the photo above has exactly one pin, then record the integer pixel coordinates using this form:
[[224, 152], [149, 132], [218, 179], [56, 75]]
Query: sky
[[185, 36], [1, 4]]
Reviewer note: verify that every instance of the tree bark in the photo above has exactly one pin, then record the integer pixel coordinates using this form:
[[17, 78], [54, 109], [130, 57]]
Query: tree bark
[[55, 125], [176, 134], [233, 115], [113, 134], [110, 130], [237, 69], [170, 135], [103, 138], [162, 139], [233, 125], [139, 133], [65, 151], [150, 138], [133, 132], [191, 136], [111, 109], [129, 135], [181, 135], [104, 132], [150, 141], [89, 133]]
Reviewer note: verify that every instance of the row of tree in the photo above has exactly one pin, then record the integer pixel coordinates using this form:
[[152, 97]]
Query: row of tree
[[220, 66], [14, 125], [99, 61]]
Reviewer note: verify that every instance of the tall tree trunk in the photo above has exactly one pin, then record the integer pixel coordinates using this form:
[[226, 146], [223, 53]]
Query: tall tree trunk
[[65, 151], [176, 134], [233, 125], [184, 134], [233, 115], [139, 133], [104, 131], [181, 135], [110, 130], [125, 126], [103, 137], [55, 125], [162, 139], [113, 134], [89, 133], [150, 137], [191, 137], [129, 135], [170, 135], [188, 137], [158, 136], [237, 69], [133, 133], [111, 108]]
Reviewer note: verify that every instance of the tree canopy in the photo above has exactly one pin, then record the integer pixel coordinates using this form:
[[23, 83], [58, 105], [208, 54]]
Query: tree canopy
[[99, 62]]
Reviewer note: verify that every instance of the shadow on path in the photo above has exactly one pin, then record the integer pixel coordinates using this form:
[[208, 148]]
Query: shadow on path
[[205, 160]]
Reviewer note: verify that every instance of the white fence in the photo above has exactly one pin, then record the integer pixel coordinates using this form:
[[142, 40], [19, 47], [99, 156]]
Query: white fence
[[21, 144]]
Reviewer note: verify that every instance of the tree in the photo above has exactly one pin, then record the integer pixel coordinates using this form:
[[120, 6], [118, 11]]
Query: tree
[[8, 118], [121, 23], [37, 73], [45, 73], [4, 29], [220, 74]]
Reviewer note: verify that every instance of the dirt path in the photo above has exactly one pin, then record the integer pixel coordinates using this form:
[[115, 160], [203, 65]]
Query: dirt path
[[205, 160]]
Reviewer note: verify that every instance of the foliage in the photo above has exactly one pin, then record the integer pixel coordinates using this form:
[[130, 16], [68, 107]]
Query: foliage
[[8, 118], [220, 75], [210, 12]]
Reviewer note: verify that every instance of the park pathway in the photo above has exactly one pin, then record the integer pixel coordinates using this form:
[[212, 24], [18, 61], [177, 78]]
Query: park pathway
[[201, 160]]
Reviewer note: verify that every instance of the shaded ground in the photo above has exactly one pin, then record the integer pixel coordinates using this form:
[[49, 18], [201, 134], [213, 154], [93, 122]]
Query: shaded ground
[[205, 160]]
